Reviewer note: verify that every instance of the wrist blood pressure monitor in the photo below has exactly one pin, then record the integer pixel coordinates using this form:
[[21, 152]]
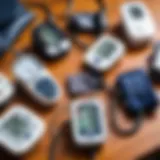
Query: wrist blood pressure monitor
[[103, 54], [36, 79], [137, 22], [20, 129]]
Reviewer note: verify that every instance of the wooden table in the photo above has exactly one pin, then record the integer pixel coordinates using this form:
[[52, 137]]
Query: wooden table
[[115, 148]]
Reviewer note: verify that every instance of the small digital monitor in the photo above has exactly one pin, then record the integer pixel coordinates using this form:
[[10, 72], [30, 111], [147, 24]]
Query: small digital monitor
[[104, 53], [36, 80]]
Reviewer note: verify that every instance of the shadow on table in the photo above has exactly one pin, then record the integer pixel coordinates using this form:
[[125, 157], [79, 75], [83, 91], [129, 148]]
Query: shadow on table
[[154, 155], [4, 155]]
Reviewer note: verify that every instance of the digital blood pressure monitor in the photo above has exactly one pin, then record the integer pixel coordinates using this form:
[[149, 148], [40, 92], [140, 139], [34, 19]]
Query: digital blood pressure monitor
[[6, 90], [103, 54], [36, 79], [88, 126], [83, 83], [137, 22], [20, 129], [86, 22], [50, 41], [88, 122], [48, 38]]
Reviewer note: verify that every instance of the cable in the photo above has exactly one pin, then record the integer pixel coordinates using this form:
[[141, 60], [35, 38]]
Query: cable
[[50, 17], [45, 8], [70, 6], [113, 120], [54, 143], [69, 9], [79, 42]]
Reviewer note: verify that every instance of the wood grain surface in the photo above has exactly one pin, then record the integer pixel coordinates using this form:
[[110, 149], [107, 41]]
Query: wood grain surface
[[115, 148]]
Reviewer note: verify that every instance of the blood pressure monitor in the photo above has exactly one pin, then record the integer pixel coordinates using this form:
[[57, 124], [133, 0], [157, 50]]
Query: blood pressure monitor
[[84, 82], [6, 90], [137, 22], [50, 41], [20, 129], [103, 54], [88, 122], [32, 75]]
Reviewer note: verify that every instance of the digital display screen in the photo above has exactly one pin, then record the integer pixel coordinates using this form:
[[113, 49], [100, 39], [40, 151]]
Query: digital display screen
[[16, 126], [49, 35], [89, 124], [106, 49], [136, 12]]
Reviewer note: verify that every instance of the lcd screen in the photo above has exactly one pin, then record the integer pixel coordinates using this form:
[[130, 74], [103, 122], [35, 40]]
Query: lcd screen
[[16, 126], [89, 124], [106, 49], [49, 35]]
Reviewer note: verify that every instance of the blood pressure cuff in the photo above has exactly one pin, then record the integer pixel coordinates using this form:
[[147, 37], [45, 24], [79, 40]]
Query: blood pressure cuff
[[10, 31], [136, 92], [84, 83]]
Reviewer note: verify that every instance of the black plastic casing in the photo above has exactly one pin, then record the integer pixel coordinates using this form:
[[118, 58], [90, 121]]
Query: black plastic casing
[[83, 83], [39, 45], [87, 23]]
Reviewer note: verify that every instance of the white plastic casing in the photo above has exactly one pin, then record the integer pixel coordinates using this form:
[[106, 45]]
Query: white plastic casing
[[88, 141], [6, 89], [138, 30], [101, 64], [28, 70], [35, 130]]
